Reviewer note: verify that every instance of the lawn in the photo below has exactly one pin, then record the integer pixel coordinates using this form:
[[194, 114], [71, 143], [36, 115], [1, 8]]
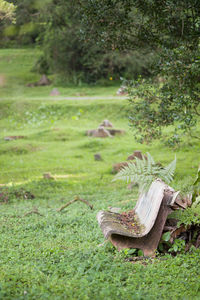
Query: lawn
[[60, 255]]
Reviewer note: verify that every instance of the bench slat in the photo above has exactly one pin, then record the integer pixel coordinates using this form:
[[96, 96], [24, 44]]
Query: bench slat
[[148, 205]]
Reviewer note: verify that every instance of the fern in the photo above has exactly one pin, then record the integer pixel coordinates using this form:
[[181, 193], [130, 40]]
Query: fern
[[144, 171], [167, 173]]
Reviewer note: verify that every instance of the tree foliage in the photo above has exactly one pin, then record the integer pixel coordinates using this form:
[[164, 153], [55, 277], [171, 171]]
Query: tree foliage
[[165, 22], [82, 60], [173, 29], [175, 102], [26, 27], [56, 26], [6, 10]]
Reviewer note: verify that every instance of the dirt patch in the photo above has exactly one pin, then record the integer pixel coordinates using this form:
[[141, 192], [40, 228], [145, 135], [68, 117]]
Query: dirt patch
[[105, 129], [48, 176], [14, 137], [24, 194], [19, 150], [6, 195], [3, 196], [119, 166], [98, 157], [137, 154], [99, 132], [130, 221]]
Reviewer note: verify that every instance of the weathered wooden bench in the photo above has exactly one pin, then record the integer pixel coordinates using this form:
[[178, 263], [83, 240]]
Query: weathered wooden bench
[[150, 214]]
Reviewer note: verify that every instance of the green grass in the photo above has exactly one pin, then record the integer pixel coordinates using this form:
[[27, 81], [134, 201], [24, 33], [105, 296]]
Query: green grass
[[16, 67], [56, 255]]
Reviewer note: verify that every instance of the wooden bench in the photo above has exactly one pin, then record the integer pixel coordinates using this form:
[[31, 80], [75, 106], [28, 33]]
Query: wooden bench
[[150, 213]]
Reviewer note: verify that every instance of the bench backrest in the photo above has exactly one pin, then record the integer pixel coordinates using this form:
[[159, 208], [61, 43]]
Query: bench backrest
[[148, 205]]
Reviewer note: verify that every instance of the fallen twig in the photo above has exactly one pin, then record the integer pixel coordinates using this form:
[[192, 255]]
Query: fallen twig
[[74, 200], [34, 211]]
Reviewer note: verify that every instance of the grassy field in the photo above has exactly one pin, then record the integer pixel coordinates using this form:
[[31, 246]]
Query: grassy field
[[56, 255], [16, 67]]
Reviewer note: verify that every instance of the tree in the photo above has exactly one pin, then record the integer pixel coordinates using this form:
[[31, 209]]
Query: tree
[[81, 60], [7, 16], [6, 10], [27, 27], [160, 22], [56, 25], [173, 29]]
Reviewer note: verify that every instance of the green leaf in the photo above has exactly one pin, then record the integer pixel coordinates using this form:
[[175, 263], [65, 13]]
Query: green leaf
[[131, 251], [160, 247], [140, 253], [175, 247], [166, 236], [198, 178], [168, 172]]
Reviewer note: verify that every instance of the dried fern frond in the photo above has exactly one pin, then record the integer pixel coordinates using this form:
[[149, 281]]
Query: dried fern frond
[[145, 171]]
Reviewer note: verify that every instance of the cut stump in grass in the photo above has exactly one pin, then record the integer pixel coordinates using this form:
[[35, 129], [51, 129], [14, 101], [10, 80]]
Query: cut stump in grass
[[144, 229], [100, 132], [98, 157], [48, 176], [106, 123]]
